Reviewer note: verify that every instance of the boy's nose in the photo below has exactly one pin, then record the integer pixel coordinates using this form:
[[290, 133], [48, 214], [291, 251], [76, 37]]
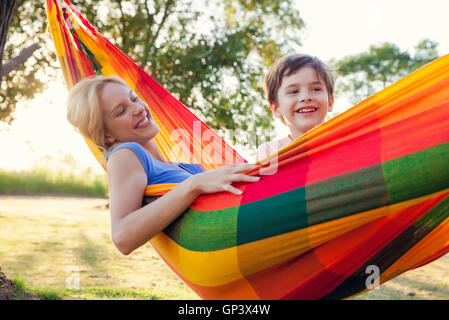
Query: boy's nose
[[305, 98]]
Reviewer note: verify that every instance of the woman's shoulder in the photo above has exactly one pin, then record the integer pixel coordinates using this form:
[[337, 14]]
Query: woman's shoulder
[[127, 145], [136, 148], [140, 152]]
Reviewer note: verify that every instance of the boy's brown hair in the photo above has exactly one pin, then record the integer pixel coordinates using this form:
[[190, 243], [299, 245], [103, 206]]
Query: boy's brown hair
[[289, 65]]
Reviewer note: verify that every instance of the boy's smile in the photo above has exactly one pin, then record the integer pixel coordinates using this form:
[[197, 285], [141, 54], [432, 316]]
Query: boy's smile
[[302, 101]]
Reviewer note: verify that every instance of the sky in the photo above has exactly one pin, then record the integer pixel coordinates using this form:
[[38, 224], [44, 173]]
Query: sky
[[339, 28], [334, 29]]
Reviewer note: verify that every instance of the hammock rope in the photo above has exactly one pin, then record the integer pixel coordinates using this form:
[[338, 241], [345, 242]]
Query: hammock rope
[[369, 187]]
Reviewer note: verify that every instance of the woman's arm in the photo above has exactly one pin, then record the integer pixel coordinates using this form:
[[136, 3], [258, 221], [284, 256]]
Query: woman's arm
[[133, 225]]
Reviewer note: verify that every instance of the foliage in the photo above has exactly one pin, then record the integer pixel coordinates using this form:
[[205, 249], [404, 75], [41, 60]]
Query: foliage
[[45, 181], [211, 55], [364, 74], [27, 27]]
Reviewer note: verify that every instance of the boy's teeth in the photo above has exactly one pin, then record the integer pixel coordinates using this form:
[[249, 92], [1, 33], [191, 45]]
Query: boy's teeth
[[306, 110]]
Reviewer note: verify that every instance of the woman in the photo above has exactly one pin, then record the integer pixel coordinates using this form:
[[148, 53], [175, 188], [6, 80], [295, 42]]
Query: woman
[[108, 112]]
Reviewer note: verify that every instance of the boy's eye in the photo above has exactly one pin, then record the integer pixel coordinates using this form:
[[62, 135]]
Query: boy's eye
[[293, 91], [134, 98], [317, 89]]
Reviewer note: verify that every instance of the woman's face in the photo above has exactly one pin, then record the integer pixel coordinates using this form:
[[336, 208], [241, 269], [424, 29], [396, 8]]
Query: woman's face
[[126, 117]]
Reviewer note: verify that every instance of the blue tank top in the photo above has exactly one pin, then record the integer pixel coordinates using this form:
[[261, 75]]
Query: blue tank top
[[160, 172]]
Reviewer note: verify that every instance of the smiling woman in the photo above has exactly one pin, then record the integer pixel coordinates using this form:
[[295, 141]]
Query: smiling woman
[[107, 111], [126, 117]]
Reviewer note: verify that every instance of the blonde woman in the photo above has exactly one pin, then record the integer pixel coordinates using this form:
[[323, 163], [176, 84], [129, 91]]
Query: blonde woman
[[106, 110]]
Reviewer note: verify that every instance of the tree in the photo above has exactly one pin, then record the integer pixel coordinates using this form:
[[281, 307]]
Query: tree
[[6, 10], [25, 37], [211, 55], [364, 74]]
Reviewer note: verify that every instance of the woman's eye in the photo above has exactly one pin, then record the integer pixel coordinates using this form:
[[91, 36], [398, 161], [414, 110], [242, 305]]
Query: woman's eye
[[122, 111]]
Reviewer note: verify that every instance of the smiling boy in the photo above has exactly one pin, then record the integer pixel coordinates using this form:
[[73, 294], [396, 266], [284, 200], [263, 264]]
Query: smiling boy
[[299, 89]]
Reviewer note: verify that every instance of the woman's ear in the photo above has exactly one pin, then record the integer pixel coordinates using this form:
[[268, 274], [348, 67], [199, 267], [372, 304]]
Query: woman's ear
[[109, 139]]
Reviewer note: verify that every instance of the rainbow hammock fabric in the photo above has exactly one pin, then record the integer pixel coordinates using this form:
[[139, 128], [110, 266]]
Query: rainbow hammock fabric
[[369, 187]]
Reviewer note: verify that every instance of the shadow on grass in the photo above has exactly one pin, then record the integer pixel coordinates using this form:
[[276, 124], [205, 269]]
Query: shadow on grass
[[112, 294], [51, 246], [428, 290], [92, 254], [20, 290], [423, 286], [24, 262], [385, 293], [28, 261]]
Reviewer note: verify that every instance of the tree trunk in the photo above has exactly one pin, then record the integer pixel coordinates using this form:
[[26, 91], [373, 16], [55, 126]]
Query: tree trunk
[[20, 59], [7, 9]]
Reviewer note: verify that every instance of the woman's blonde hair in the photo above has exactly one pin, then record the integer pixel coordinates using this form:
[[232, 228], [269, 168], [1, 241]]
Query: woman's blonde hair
[[84, 108]]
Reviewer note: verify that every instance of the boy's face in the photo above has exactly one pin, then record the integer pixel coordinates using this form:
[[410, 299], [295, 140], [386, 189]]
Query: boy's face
[[302, 101]]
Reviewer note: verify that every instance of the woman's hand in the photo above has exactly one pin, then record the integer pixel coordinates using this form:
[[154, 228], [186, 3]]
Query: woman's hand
[[221, 179], [133, 225]]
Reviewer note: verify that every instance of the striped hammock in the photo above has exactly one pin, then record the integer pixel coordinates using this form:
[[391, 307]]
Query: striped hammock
[[366, 191]]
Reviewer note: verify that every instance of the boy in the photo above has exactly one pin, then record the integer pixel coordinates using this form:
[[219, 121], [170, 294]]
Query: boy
[[299, 89]]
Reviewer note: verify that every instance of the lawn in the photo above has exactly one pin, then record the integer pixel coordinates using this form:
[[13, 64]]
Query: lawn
[[60, 248], [47, 243]]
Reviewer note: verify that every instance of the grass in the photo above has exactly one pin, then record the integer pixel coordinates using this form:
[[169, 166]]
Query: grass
[[91, 293], [41, 293], [45, 181], [47, 242], [23, 289], [60, 248], [427, 283]]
